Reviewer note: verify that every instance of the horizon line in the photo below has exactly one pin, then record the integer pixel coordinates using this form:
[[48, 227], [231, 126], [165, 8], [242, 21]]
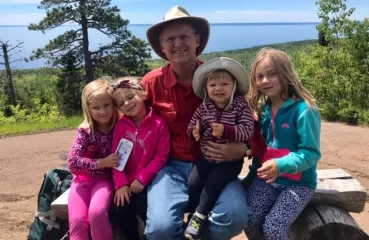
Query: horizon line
[[230, 23]]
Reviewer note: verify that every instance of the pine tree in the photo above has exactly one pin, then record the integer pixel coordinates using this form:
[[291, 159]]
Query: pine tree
[[322, 41], [90, 15], [69, 86]]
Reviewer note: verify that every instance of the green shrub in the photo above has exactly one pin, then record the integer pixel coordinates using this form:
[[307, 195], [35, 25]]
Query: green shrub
[[350, 115]]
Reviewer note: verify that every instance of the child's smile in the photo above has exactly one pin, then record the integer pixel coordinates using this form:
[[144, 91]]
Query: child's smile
[[220, 89]]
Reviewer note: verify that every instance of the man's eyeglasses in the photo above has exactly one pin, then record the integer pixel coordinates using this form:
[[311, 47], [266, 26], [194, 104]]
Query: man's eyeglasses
[[183, 38]]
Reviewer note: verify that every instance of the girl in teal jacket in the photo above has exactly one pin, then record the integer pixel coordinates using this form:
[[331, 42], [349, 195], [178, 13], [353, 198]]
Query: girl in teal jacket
[[284, 178]]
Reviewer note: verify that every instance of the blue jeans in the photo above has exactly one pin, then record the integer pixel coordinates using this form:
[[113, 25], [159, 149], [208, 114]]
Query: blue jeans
[[168, 200]]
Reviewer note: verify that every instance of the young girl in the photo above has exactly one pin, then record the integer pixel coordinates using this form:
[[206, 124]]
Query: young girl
[[90, 162], [290, 123], [224, 116], [151, 147]]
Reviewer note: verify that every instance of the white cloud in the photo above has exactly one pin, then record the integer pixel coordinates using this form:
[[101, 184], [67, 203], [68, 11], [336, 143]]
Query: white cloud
[[11, 2], [20, 19]]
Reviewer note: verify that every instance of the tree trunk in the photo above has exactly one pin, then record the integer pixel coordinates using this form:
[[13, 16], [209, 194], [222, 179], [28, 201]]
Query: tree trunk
[[86, 51], [326, 222], [9, 84]]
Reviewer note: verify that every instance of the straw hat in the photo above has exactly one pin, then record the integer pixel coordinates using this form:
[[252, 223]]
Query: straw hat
[[221, 63], [178, 13]]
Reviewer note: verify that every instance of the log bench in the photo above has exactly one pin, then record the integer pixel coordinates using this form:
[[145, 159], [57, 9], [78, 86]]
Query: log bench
[[327, 215], [325, 218]]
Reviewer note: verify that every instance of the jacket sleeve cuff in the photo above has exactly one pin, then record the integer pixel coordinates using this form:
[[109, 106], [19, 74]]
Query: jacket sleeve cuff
[[119, 179], [229, 132], [142, 180], [284, 165]]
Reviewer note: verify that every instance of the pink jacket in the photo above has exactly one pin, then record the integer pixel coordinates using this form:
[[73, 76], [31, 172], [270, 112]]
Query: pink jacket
[[151, 148]]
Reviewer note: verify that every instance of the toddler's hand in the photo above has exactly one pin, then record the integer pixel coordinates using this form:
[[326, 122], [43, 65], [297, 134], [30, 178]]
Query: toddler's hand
[[121, 194], [136, 186], [196, 131], [269, 171], [108, 162], [218, 129]]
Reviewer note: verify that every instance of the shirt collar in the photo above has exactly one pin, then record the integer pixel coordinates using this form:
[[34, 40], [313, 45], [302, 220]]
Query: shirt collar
[[172, 81]]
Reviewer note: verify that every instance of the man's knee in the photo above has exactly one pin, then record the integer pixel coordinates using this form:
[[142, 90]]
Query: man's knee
[[233, 206], [161, 228], [238, 214]]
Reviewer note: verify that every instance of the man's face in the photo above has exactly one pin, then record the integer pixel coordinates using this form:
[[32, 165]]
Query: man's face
[[179, 42]]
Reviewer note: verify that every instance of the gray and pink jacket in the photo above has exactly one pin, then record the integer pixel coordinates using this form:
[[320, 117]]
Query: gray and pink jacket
[[151, 148]]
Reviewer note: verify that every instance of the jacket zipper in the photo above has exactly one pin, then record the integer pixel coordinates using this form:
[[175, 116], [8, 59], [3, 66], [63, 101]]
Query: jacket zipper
[[273, 126], [220, 112], [135, 144]]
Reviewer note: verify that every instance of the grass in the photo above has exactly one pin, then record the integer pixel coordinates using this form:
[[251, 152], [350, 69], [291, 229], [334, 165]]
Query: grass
[[26, 128]]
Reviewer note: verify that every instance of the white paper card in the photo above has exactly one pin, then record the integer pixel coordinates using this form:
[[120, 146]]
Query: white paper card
[[124, 149]]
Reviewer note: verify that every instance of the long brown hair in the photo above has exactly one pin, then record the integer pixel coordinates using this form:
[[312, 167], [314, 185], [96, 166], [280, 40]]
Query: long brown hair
[[290, 81]]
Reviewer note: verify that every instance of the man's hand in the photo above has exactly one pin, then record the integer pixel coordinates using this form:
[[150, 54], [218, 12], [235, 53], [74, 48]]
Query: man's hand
[[269, 171], [226, 152], [123, 193], [196, 131], [108, 162], [136, 186], [218, 129]]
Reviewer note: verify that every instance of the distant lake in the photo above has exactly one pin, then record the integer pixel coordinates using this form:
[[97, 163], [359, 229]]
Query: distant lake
[[227, 36]]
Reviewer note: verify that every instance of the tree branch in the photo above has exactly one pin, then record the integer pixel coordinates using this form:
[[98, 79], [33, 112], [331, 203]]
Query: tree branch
[[64, 49], [20, 43], [9, 55], [15, 60], [66, 45]]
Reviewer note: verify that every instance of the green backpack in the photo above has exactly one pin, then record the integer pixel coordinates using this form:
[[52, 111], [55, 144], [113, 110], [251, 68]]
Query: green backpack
[[46, 226]]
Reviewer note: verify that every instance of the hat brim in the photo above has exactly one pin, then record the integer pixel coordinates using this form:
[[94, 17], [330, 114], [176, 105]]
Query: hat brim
[[222, 63], [200, 24]]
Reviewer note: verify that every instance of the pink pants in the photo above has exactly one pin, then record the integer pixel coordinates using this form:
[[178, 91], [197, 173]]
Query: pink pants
[[88, 206]]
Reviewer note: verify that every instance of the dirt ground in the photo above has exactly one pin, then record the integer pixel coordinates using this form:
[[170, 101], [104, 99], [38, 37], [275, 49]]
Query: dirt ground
[[25, 159]]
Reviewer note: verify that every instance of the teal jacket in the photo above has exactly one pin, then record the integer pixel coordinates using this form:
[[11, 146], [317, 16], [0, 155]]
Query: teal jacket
[[296, 128]]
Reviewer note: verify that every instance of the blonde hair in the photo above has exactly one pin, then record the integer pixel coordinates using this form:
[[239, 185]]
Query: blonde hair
[[291, 84], [90, 91], [133, 80], [218, 74]]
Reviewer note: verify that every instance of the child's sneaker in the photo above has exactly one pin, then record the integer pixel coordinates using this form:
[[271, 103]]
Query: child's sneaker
[[194, 228]]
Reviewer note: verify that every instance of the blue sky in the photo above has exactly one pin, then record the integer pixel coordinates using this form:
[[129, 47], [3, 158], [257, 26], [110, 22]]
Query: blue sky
[[23, 12]]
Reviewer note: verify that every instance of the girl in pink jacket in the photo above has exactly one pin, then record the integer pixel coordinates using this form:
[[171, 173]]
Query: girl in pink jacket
[[151, 147]]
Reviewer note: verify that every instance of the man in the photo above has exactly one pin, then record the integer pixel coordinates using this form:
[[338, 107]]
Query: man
[[179, 39]]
